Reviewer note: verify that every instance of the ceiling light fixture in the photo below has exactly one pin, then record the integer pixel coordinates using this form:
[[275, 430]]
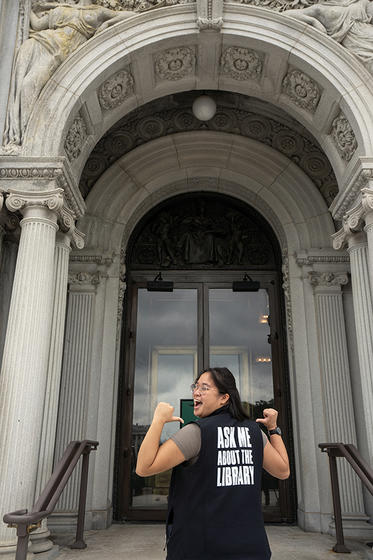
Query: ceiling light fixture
[[204, 108]]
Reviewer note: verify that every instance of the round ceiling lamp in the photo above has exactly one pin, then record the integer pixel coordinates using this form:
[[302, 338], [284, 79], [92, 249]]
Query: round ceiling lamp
[[204, 108]]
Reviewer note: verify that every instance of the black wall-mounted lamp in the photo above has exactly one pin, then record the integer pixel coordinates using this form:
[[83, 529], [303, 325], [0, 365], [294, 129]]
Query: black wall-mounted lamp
[[247, 284], [159, 285]]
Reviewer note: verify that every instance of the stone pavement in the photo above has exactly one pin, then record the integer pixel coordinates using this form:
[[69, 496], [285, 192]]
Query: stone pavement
[[145, 542]]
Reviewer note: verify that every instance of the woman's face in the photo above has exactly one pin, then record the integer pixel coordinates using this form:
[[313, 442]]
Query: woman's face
[[206, 396]]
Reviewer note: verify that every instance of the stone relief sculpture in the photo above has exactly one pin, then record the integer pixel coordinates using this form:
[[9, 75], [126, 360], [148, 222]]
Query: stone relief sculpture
[[57, 30], [346, 21]]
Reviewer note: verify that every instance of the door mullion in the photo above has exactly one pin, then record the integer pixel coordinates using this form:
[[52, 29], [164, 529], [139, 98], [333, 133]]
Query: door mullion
[[206, 327]]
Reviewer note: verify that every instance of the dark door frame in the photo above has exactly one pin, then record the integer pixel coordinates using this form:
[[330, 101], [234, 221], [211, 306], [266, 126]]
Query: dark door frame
[[271, 280]]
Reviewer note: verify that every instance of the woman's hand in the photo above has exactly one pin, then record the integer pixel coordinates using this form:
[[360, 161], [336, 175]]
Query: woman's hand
[[165, 413], [270, 418]]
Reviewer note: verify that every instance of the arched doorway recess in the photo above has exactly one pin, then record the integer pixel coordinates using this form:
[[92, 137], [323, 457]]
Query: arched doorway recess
[[202, 243]]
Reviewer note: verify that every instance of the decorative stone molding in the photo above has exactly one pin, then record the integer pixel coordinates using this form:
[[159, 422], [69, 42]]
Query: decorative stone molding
[[343, 137], [310, 260], [19, 200], [353, 220], [286, 288], [241, 63], [76, 138], [175, 64], [302, 90], [84, 278], [361, 181], [1, 200], [116, 89], [47, 175], [327, 279], [144, 125], [66, 222], [96, 259], [210, 15]]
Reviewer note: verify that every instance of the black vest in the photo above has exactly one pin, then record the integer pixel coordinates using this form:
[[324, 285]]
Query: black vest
[[214, 509]]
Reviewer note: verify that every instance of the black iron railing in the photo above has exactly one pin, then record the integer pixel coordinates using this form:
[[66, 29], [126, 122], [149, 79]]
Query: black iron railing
[[25, 522], [362, 469]]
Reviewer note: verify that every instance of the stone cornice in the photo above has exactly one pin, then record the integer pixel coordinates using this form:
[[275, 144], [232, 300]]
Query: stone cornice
[[360, 177], [353, 220], [327, 279], [42, 174]]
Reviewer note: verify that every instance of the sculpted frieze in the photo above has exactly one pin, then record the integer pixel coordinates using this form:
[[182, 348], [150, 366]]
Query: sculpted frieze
[[301, 89], [116, 89], [58, 29], [75, 138], [175, 64], [241, 63], [140, 128], [347, 22], [343, 137]]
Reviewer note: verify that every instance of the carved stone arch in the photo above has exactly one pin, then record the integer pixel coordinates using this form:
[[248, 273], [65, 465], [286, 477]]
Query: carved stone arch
[[209, 161], [71, 101]]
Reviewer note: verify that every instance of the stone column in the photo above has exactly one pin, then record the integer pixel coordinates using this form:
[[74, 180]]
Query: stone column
[[2, 229], [336, 380], [75, 377], [25, 359], [39, 539]]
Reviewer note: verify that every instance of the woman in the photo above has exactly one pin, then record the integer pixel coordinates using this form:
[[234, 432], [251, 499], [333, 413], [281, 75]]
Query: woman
[[53, 37], [346, 21], [215, 492]]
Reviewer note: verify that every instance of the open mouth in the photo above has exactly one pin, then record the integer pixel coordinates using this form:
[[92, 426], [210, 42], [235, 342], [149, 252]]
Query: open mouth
[[197, 404]]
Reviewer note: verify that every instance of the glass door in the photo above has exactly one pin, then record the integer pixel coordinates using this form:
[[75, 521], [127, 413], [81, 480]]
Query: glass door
[[174, 335]]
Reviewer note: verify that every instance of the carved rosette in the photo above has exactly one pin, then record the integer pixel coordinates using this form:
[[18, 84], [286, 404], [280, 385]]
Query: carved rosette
[[175, 64], [343, 137], [327, 279], [116, 89], [302, 90], [75, 138], [241, 63]]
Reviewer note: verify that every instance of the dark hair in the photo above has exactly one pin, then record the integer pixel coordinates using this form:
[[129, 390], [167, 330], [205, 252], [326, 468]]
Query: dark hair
[[226, 383]]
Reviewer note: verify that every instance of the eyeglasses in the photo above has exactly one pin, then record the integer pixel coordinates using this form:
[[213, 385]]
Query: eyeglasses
[[203, 388]]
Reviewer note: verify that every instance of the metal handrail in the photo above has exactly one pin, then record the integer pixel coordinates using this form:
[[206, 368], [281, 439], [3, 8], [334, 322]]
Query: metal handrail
[[362, 469], [25, 522]]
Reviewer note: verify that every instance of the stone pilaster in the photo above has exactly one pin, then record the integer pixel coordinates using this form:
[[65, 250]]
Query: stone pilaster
[[2, 228], [25, 359], [335, 371], [39, 539], [75, 373], [363, 310]]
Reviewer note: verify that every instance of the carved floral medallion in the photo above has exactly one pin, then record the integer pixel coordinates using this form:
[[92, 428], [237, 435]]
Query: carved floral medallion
[[241, 63], [343, 137], [302, 90], [116, 89], [175, 64], [75, 138]]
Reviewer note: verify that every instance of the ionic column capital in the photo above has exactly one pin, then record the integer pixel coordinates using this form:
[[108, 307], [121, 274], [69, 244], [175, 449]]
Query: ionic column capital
[[330, 280], [35, 204]]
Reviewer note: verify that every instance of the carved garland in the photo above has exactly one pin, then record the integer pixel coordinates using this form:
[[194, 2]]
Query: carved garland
[[76, 138], [343, 137]]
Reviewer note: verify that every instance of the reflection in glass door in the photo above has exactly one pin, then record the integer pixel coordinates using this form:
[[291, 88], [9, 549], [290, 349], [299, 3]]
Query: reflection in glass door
[[239, 336], [165, 366], [175, 335]]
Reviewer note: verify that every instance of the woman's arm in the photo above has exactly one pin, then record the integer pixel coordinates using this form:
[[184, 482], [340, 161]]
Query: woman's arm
[[307, 15], [275, 457], [153, 458], [110, 17], [38, 24]]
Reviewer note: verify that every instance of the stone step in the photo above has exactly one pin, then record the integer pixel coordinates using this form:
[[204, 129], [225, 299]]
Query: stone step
[[146, 542]]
